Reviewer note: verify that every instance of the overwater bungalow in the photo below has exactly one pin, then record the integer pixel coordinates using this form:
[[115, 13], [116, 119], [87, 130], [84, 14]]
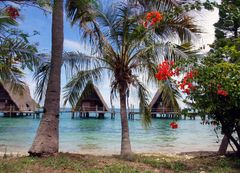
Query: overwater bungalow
[[91, 101], [16, 103], [158, 107]]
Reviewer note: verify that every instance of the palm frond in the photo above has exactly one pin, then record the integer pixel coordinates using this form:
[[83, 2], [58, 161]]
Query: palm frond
[[19, 50], [143, 95], [81, 11], [170, 94], [76, 61], [75, 86], [178, 28], [6, 21], [10, 73], [157, 4], [41, 77]]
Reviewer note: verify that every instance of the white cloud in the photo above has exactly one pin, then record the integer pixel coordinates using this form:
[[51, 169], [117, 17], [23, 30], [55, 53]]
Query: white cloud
[[71, 45], [206, 20]]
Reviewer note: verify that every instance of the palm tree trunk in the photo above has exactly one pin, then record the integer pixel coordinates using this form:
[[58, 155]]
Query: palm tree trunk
[[46, 141], [126, 151], [223, 147]]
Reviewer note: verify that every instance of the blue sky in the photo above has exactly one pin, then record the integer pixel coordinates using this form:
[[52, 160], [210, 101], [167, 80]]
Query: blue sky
[[35, 19]]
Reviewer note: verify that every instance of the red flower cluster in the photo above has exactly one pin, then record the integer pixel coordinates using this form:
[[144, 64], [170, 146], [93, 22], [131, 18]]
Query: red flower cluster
[[222, 92], [165, 70], [12, 12], [173, 125], [186, 85], [152, 18]]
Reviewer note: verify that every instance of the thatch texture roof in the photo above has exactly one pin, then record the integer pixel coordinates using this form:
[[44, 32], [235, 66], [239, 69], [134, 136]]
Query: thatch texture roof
[[23, 100], [87, 94], [155, 98], [101, 98], [168, 99]]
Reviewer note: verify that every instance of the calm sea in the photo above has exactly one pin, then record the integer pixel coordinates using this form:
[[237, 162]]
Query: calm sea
[[94, 136]]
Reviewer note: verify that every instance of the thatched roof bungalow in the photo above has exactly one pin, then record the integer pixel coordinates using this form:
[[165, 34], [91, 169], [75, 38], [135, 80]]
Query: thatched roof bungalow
[[91, 100], [11, 101], [158, 106]]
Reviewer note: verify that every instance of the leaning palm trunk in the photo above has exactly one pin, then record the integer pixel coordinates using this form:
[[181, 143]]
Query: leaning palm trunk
[[47, 138], [126, 151]]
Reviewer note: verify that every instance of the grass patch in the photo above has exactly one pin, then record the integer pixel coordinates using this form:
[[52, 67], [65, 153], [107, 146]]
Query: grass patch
[[70, 163], [16, 165], [166, 162], [120, 169]]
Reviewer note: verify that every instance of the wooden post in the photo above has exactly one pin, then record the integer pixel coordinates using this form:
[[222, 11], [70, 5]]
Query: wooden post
[[10, 110], [73, 114], [97, 111], [154, 115], [113, 113], [87, 114], [133, 112], [84, 114], [80, 115], [101, 116]]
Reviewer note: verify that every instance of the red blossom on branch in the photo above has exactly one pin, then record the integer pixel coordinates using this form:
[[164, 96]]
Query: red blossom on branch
[[186, 85], [165, 70], [12, 12], [222, 92], [152, 18]]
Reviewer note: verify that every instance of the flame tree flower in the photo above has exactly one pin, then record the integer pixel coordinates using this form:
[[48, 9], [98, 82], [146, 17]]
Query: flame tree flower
[[217, 93], [152, 18], [165, 70], [12, 12]]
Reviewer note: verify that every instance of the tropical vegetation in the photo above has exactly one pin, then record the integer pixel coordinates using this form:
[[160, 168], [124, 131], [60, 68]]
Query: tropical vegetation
[[16, 52], [127, 40], [215, 87], [133, 42]]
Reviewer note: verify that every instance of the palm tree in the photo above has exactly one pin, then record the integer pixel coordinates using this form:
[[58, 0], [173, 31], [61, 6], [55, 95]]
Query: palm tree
[[123, 49], [47, 139], [16, 53]]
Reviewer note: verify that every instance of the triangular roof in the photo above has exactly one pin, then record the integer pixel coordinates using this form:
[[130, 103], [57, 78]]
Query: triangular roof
[[90, 88], [23, 100], [155, 98], [159, 94], [101, 98]]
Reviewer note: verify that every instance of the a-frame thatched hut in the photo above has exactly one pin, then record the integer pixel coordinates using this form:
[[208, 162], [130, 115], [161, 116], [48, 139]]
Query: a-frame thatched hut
[[165, 110], [12, 103], [91, 100]]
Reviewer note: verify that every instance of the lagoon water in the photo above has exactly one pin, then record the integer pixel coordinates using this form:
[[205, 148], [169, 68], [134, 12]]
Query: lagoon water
[[94, 136]]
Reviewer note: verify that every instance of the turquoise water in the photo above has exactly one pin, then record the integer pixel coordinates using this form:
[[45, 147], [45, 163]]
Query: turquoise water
[[94, 136]]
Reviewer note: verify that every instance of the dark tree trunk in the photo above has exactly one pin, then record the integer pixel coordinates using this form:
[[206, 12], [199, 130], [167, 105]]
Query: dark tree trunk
[[238, 132], [224, 145], [235, 142], [126, 151], [46, 141]]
